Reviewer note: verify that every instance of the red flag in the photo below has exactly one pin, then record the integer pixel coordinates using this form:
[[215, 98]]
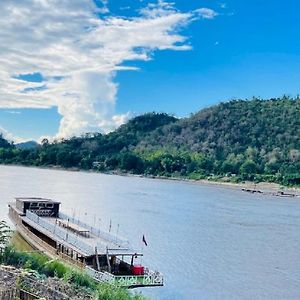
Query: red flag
[[144, 241]]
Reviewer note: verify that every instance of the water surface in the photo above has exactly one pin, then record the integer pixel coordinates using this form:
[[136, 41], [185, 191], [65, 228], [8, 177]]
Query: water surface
[[210, 242]]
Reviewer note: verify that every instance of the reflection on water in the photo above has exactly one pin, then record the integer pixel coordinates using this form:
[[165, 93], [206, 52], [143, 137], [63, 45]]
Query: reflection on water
[[210, 242]]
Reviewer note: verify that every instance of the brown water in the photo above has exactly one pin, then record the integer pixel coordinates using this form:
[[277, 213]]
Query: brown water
[[210, 242]]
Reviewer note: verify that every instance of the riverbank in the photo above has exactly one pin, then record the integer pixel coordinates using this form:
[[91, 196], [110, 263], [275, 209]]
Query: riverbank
[[15, 283], [36, 273], [263, 187]]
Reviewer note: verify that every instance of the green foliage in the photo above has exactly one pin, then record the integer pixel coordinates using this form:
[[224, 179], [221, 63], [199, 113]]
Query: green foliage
[[4, 143], [5, 234], [79, 278], [54, 268], [248, 167], [105, 292], [47, 267], [242, 140]]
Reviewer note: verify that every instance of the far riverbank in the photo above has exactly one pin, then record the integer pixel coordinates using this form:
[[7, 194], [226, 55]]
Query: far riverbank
[[260, 187]]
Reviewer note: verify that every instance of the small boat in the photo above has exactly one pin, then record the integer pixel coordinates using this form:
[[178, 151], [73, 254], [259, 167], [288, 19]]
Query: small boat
[[252, 191], [284, 194], [104, 256]]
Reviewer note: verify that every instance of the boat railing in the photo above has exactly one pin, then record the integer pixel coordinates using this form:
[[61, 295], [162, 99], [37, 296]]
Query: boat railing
[[97, 232], [155, 279], [61, 233], [100, 276], [150, 278]]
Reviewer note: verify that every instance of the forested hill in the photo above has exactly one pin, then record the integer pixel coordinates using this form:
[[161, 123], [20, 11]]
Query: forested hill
[[234, 127], [4, 144], [237, 140]]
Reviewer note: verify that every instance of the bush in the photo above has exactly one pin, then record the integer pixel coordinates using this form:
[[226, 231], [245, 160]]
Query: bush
[[54, 268], [80, 279], [108, 292]]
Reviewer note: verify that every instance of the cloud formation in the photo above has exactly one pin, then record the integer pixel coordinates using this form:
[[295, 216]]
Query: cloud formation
[[10, 137], [77, 48], [206, 13]]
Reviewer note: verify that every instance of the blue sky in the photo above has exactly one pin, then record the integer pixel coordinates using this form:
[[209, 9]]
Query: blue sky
[[247, 48]]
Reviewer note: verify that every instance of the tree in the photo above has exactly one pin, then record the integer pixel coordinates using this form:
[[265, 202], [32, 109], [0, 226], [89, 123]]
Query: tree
[[4, 143], [228, 167], [5, 234], [131, 162], [45, 142], [248, 167]]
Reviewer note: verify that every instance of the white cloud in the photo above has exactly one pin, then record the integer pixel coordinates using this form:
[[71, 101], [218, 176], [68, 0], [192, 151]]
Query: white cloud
[[9, 136], [67, 39], [13, 112], [206, 13]]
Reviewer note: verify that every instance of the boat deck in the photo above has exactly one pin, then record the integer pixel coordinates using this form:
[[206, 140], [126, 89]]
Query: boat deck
[[77, 229], [73, 233], [100, 239]]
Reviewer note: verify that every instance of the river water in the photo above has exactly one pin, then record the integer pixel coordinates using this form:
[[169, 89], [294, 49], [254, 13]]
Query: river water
[[210, 242]]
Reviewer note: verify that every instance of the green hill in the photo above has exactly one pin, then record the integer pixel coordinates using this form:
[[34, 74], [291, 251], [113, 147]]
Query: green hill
[[4, 144], [237, 137], [237, 140], [235, 126]]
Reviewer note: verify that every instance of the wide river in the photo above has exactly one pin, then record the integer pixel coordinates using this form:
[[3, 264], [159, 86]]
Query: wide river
[[210, 242]]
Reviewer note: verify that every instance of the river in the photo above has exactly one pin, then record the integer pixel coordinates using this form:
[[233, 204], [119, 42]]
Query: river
[[210, 242]]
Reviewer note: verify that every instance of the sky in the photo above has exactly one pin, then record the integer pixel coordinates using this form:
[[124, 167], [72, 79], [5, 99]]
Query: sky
[[73, 66]]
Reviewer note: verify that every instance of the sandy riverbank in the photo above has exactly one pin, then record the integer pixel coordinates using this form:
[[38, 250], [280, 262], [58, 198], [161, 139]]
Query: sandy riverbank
[[267, 187]]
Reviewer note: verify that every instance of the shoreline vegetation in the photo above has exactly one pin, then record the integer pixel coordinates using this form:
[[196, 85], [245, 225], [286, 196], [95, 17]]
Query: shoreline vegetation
[[235, 142], [24, 270], [34, 272]]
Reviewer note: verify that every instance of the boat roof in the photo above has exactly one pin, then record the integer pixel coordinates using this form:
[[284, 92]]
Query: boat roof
[[36, 199]]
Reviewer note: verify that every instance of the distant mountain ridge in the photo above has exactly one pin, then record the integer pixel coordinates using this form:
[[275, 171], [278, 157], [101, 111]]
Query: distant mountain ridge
[[27, 145], [237, 140]]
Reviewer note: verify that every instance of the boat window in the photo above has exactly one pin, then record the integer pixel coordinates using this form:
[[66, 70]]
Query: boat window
[[41, 204], [49, 205], [33, 204]]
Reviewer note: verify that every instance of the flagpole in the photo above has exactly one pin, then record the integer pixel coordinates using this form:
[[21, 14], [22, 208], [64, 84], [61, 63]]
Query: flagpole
[[144, 243], [142, 252], [110, 226]]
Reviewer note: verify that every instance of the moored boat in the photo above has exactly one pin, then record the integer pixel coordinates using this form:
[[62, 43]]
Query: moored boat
[[104, 256]]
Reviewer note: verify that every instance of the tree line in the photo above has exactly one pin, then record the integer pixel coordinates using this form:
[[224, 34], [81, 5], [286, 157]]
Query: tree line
[[239, 140]]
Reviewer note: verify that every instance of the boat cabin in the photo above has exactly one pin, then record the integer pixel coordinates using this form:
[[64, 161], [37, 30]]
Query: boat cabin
[[40, 206]]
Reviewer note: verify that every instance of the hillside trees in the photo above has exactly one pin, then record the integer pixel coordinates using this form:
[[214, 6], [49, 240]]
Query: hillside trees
[[256, 140]]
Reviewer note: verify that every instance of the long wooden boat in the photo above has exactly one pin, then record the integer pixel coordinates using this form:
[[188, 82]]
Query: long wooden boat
[[105, 257]]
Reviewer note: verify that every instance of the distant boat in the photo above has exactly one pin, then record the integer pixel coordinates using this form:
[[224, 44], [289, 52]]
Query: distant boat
[[283, 194], [252, 191], [105, 257]]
